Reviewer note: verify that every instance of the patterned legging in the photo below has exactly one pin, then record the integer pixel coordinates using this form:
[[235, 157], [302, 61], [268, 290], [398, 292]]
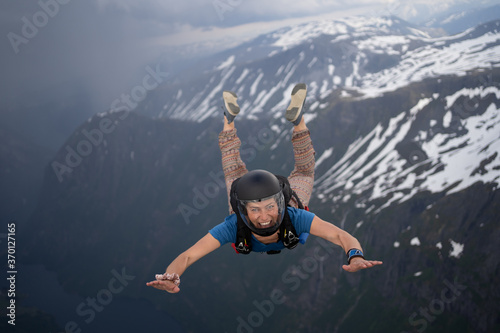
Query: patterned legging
[[301, 179]]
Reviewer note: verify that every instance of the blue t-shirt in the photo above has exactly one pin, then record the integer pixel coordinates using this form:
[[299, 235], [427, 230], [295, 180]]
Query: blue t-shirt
[[225, 232]]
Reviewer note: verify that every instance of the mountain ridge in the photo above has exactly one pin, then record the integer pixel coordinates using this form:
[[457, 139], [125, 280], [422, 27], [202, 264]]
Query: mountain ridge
[[332, 56]]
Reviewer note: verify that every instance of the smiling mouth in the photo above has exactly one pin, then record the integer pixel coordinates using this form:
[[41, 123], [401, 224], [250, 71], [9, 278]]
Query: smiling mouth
[[265, 224]]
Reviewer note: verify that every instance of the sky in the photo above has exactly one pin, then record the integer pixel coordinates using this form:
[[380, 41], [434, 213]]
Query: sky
[[101, 48]]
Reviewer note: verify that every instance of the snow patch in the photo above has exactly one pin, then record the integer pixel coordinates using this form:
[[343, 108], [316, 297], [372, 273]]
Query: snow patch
[[447, 119], [253, 88], [243, 76], [313, 61], [326, 154], [331, 69], [456, 57], [229, 61], [457, 249]]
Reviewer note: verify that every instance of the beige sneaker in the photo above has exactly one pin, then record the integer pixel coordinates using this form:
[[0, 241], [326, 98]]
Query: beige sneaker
[[295, 109], [232, 108]]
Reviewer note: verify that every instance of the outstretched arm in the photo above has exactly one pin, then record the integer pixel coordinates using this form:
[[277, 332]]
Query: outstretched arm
[[203, 247], [340, 237]]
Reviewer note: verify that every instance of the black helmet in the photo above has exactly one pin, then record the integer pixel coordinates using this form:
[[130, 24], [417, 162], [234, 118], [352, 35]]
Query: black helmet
[[257, 186]]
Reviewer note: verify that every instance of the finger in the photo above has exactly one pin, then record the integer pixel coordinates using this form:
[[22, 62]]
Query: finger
[[175, 290], [151, 283], [167, 286], [349, 268], [354, 267], [154, 283], [369, 264], [157, 285], [372, 263]]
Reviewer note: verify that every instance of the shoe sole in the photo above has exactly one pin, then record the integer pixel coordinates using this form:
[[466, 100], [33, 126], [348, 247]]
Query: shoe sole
[[299, 93], [230, 102]]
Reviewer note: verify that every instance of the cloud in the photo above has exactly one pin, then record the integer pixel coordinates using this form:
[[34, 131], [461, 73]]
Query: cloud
[[224, 13], [106, 44], [81, 45], [196, 13]]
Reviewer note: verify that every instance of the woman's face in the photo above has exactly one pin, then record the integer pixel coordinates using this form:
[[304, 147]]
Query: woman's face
[[263, 214]]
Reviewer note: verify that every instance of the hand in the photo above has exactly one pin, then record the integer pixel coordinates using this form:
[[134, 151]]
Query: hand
[[359, 263], [166, 285]]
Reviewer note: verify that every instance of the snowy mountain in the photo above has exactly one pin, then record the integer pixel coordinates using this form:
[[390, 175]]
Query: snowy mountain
[[359, 56], [456, 150], [364, 58], [457, 20]]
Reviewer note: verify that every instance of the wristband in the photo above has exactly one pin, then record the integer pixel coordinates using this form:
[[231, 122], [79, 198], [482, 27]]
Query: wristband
[[353, 253], [169, 277]]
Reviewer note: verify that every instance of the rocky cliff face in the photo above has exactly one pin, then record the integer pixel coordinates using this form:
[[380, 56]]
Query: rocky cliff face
[[20, 159]]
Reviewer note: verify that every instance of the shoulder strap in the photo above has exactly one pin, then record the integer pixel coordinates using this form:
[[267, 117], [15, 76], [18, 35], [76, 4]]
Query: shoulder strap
[[232, 196], [288, 234], [243, 243]]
